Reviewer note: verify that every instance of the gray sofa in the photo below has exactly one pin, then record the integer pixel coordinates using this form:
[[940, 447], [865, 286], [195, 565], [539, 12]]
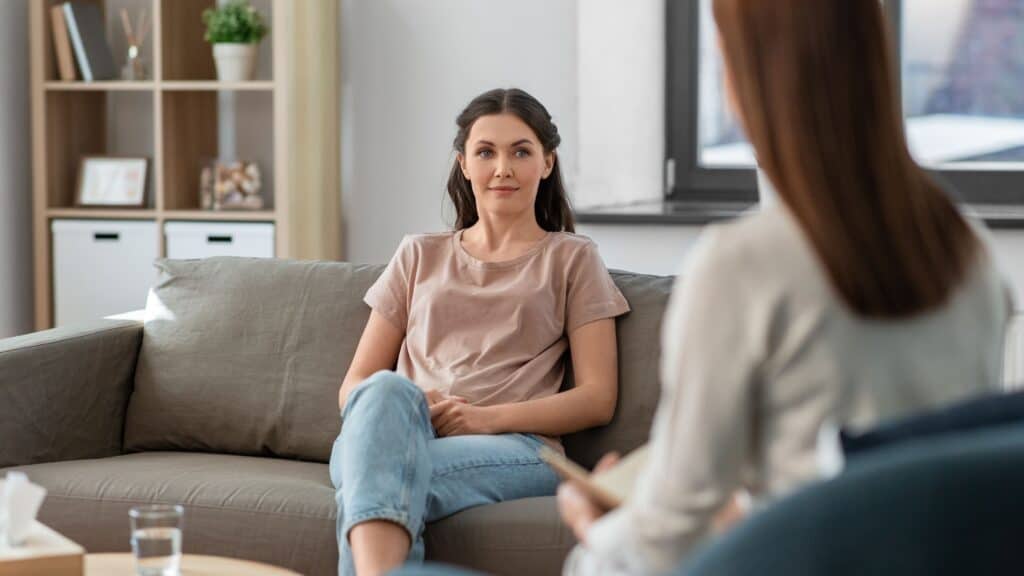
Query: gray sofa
[[225, 400]]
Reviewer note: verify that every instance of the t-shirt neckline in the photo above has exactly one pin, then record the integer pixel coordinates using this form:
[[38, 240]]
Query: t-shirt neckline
[[472, 260]]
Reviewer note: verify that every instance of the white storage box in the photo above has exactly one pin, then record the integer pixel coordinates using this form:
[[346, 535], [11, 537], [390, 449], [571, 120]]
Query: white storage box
[[101, 267], [187, 240]]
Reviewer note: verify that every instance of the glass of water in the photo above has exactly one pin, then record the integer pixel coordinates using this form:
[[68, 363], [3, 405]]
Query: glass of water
[[156, 539]]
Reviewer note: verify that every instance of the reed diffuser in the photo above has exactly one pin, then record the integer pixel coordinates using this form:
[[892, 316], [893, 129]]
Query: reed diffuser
[[134, 66]]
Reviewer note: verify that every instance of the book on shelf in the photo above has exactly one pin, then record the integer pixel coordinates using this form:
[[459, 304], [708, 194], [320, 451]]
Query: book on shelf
[[89, 39], [62, 44]]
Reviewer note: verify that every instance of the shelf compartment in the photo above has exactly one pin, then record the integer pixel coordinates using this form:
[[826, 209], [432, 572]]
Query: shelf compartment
[[188, 56], [91, 123], [201, 126], [111, 11]]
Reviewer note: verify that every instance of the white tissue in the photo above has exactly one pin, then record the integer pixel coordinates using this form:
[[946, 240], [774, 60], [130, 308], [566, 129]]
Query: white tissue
[[19, 503]]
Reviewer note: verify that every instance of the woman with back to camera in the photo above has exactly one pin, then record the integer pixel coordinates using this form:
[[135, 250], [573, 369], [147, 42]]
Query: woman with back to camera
[[476, 324], [862, 295]]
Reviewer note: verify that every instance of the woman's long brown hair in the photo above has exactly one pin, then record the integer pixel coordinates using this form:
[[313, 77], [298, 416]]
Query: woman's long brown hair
[[814, 84]]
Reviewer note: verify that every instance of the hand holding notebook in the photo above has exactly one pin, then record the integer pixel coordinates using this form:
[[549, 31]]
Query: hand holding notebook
[[608, 488]]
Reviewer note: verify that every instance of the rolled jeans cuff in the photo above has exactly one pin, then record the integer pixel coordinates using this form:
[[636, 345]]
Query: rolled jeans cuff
[[389, 514]]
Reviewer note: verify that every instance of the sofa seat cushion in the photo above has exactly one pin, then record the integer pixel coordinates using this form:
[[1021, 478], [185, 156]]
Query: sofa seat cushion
[[270, 510], [515, 537], [277, 511]]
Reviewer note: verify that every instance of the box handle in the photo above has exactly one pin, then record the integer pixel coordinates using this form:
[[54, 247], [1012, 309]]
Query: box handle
[[104, 236], [212, 239]]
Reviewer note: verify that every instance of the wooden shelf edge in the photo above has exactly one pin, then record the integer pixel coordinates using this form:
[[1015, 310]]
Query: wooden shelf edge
[[213, 85], [108, 213], [172, 86], [103, 86], [254, 216], [150, 214]]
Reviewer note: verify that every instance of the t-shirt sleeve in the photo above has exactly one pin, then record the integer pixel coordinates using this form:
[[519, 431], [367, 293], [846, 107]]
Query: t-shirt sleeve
[[592, 294], [391, 295]]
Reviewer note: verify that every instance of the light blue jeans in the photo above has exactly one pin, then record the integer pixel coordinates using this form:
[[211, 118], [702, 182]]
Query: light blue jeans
[[387, 464]]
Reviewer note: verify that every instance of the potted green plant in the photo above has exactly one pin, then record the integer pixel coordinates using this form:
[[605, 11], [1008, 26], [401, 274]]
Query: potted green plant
[[235, 29]]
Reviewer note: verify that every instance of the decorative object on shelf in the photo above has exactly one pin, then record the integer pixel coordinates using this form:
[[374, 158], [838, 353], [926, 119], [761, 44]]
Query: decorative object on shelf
[[62, 45], [233, 185], [89, 38], [111, 181], [235, 29], [134, 66]]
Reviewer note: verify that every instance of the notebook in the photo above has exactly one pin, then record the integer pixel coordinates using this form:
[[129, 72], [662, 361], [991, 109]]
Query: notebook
[[609, 488]]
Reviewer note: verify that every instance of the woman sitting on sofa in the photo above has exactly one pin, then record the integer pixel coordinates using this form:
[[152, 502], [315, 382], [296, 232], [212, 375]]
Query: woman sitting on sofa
[[478, 322], [863, 295]]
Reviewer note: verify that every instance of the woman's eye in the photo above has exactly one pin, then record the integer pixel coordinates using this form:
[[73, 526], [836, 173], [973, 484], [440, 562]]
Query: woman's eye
[[522, 153], [485, 153]]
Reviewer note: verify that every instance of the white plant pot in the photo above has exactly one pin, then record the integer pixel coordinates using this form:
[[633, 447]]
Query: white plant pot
[[235, 62]]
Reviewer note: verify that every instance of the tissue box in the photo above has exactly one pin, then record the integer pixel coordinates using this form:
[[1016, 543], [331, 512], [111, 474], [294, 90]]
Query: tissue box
[[45, 552]]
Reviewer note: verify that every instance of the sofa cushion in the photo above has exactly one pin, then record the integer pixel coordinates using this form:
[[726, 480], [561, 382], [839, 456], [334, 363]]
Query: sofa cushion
[[639, 346], [264, 509], [246, 355], [516, 537], [277, 511]]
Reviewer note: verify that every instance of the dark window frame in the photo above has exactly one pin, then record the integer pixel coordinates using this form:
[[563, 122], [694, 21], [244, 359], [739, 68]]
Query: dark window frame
[[687, 181]]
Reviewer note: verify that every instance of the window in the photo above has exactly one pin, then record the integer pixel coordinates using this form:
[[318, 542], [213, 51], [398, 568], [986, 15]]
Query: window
[[720, 140], [961, 68]]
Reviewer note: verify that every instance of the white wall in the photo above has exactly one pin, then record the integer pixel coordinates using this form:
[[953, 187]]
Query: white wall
[[15, 172], [648, 248], [621, 62], [409, 66], [408, 69]]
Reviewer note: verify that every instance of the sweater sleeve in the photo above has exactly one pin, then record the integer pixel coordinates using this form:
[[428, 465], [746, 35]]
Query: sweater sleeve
[[701, 437]]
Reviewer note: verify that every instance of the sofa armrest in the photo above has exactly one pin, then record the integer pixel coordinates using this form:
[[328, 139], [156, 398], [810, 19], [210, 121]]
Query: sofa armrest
[[64, 392]]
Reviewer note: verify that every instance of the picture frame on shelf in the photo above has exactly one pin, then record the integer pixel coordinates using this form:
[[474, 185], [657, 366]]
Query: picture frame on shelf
[[112, 182]]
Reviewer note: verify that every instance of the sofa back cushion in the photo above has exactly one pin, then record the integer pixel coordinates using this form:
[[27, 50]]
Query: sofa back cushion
[[639, 345], [245, 356]]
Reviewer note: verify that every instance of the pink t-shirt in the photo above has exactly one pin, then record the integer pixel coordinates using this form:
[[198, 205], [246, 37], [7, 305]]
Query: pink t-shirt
[[492, 332]]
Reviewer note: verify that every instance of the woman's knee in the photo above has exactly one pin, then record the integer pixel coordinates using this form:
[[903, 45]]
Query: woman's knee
[[388, 385], [392, 383]]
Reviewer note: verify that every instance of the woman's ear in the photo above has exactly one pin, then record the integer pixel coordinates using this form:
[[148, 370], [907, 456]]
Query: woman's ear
[[549, 165], [461, 158]]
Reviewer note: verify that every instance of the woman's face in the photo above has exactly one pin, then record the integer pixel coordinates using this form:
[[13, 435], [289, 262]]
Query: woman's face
[[504, 162]]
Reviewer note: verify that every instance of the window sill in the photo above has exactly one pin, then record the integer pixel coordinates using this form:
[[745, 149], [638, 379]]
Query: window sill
[[687, 213], [693, 213]]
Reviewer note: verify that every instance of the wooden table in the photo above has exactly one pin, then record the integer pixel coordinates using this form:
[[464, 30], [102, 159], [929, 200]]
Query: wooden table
[[122, 564]]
